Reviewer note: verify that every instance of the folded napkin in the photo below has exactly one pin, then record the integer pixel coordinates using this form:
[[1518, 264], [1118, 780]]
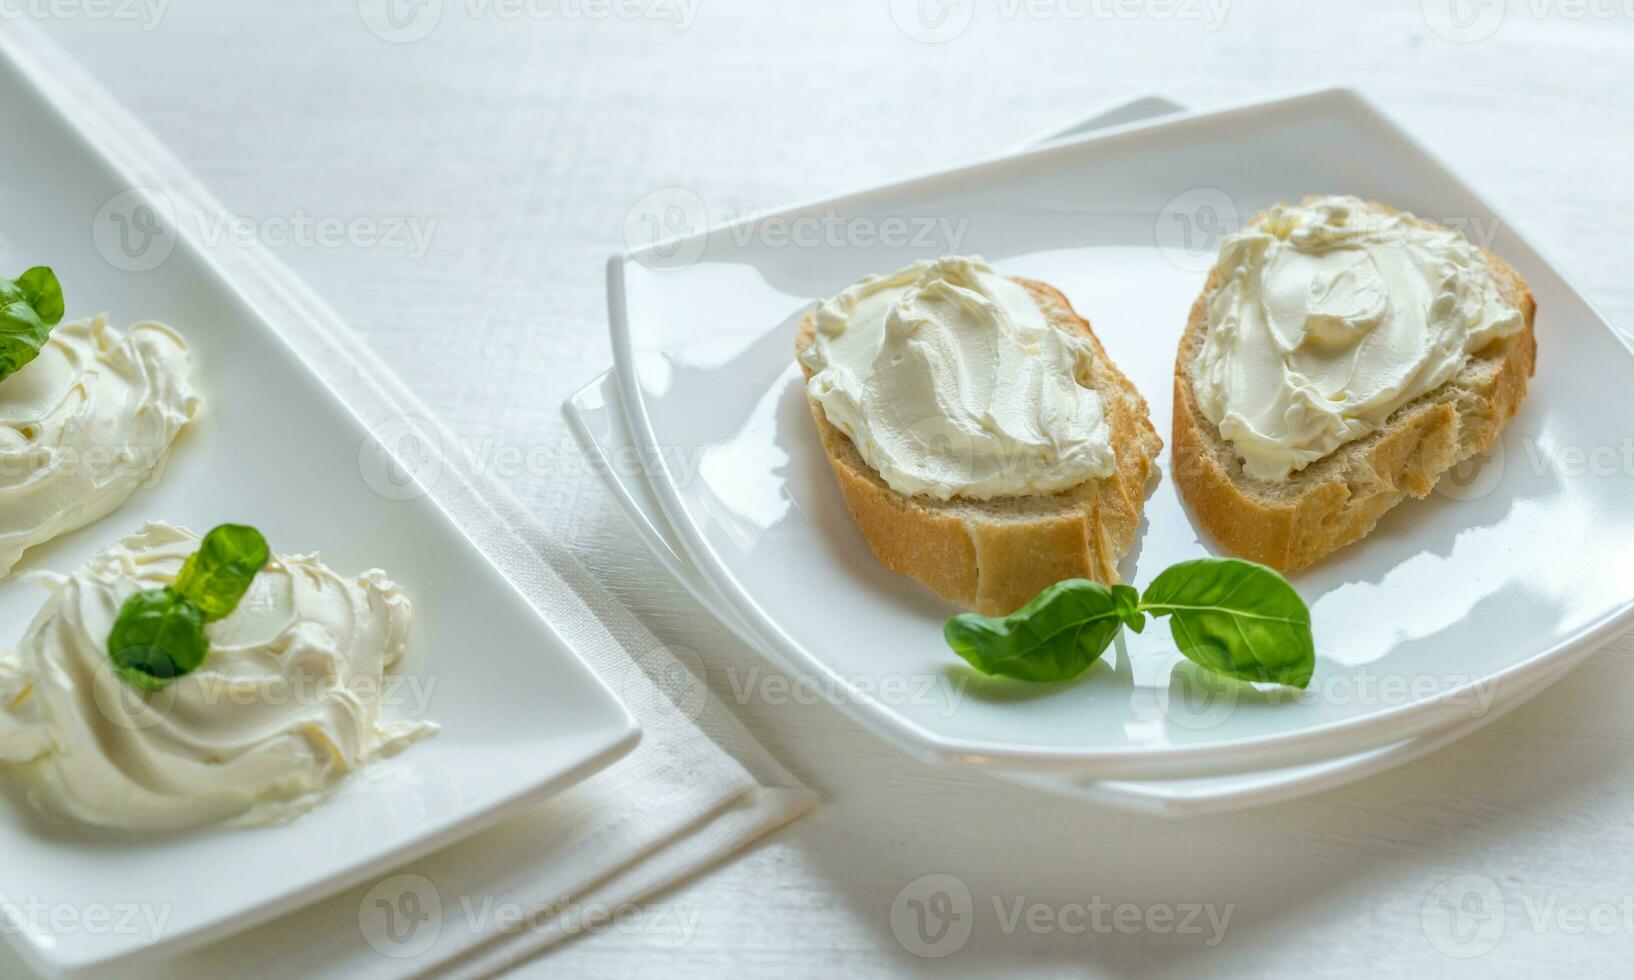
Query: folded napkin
[[697, 789]]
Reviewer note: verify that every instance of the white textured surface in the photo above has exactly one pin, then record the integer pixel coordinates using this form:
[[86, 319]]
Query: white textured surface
[[528, 141]]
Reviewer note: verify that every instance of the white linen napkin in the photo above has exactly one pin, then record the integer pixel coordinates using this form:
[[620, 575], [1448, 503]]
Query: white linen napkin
[[697, 789]]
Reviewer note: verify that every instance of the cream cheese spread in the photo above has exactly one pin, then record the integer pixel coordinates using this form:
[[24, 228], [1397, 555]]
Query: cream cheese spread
[[84, 425], [285, 704], [952, 382], [1328, 317]]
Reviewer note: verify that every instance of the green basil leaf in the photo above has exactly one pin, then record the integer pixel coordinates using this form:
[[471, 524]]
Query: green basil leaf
[[1056, 636], [1236, 618], [43, 292], [30, 306], [158, 637], [215, 577]]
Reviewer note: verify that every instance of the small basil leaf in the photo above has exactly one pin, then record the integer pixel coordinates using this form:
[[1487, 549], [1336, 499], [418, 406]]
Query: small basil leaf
[[29, 307], [158, 637], [1236, 618], [43, 292], [216, 576], [1056, 636]]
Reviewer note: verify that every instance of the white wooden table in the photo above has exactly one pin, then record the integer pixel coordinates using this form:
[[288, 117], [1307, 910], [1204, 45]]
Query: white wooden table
[[521, 143]]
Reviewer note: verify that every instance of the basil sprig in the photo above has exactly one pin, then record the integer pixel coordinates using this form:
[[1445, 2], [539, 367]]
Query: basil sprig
[[1057, 635], [216, 576], [1236, 618], [30, 306], [1227, 616], [159, 635]]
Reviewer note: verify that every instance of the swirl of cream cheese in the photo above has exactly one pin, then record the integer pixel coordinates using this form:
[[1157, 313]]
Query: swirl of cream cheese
[[952, 382], [286, 703], [84, 425], [1330, 315]]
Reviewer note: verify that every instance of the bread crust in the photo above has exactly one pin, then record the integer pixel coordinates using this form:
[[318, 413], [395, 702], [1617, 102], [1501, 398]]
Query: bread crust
[[1340, 498], [994, 556]]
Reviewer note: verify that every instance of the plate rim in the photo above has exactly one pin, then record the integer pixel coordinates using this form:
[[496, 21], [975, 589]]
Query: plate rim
[[1369, 730]]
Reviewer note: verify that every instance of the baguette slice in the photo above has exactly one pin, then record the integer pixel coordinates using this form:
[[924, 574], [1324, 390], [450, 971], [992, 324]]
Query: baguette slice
[[1338, 499], [994, 555]]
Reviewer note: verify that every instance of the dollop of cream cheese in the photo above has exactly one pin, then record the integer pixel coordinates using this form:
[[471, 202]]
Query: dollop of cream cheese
[[84, 425], [952, 382], [1330, 316], [285, 704]]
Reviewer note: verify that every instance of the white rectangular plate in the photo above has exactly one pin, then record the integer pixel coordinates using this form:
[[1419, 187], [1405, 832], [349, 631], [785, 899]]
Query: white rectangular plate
[[522, 715], [1489, 586]]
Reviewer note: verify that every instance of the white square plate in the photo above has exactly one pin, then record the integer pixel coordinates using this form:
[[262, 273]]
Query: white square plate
[[522, 715], [595, 414], [1491, 585], [597, 419]]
